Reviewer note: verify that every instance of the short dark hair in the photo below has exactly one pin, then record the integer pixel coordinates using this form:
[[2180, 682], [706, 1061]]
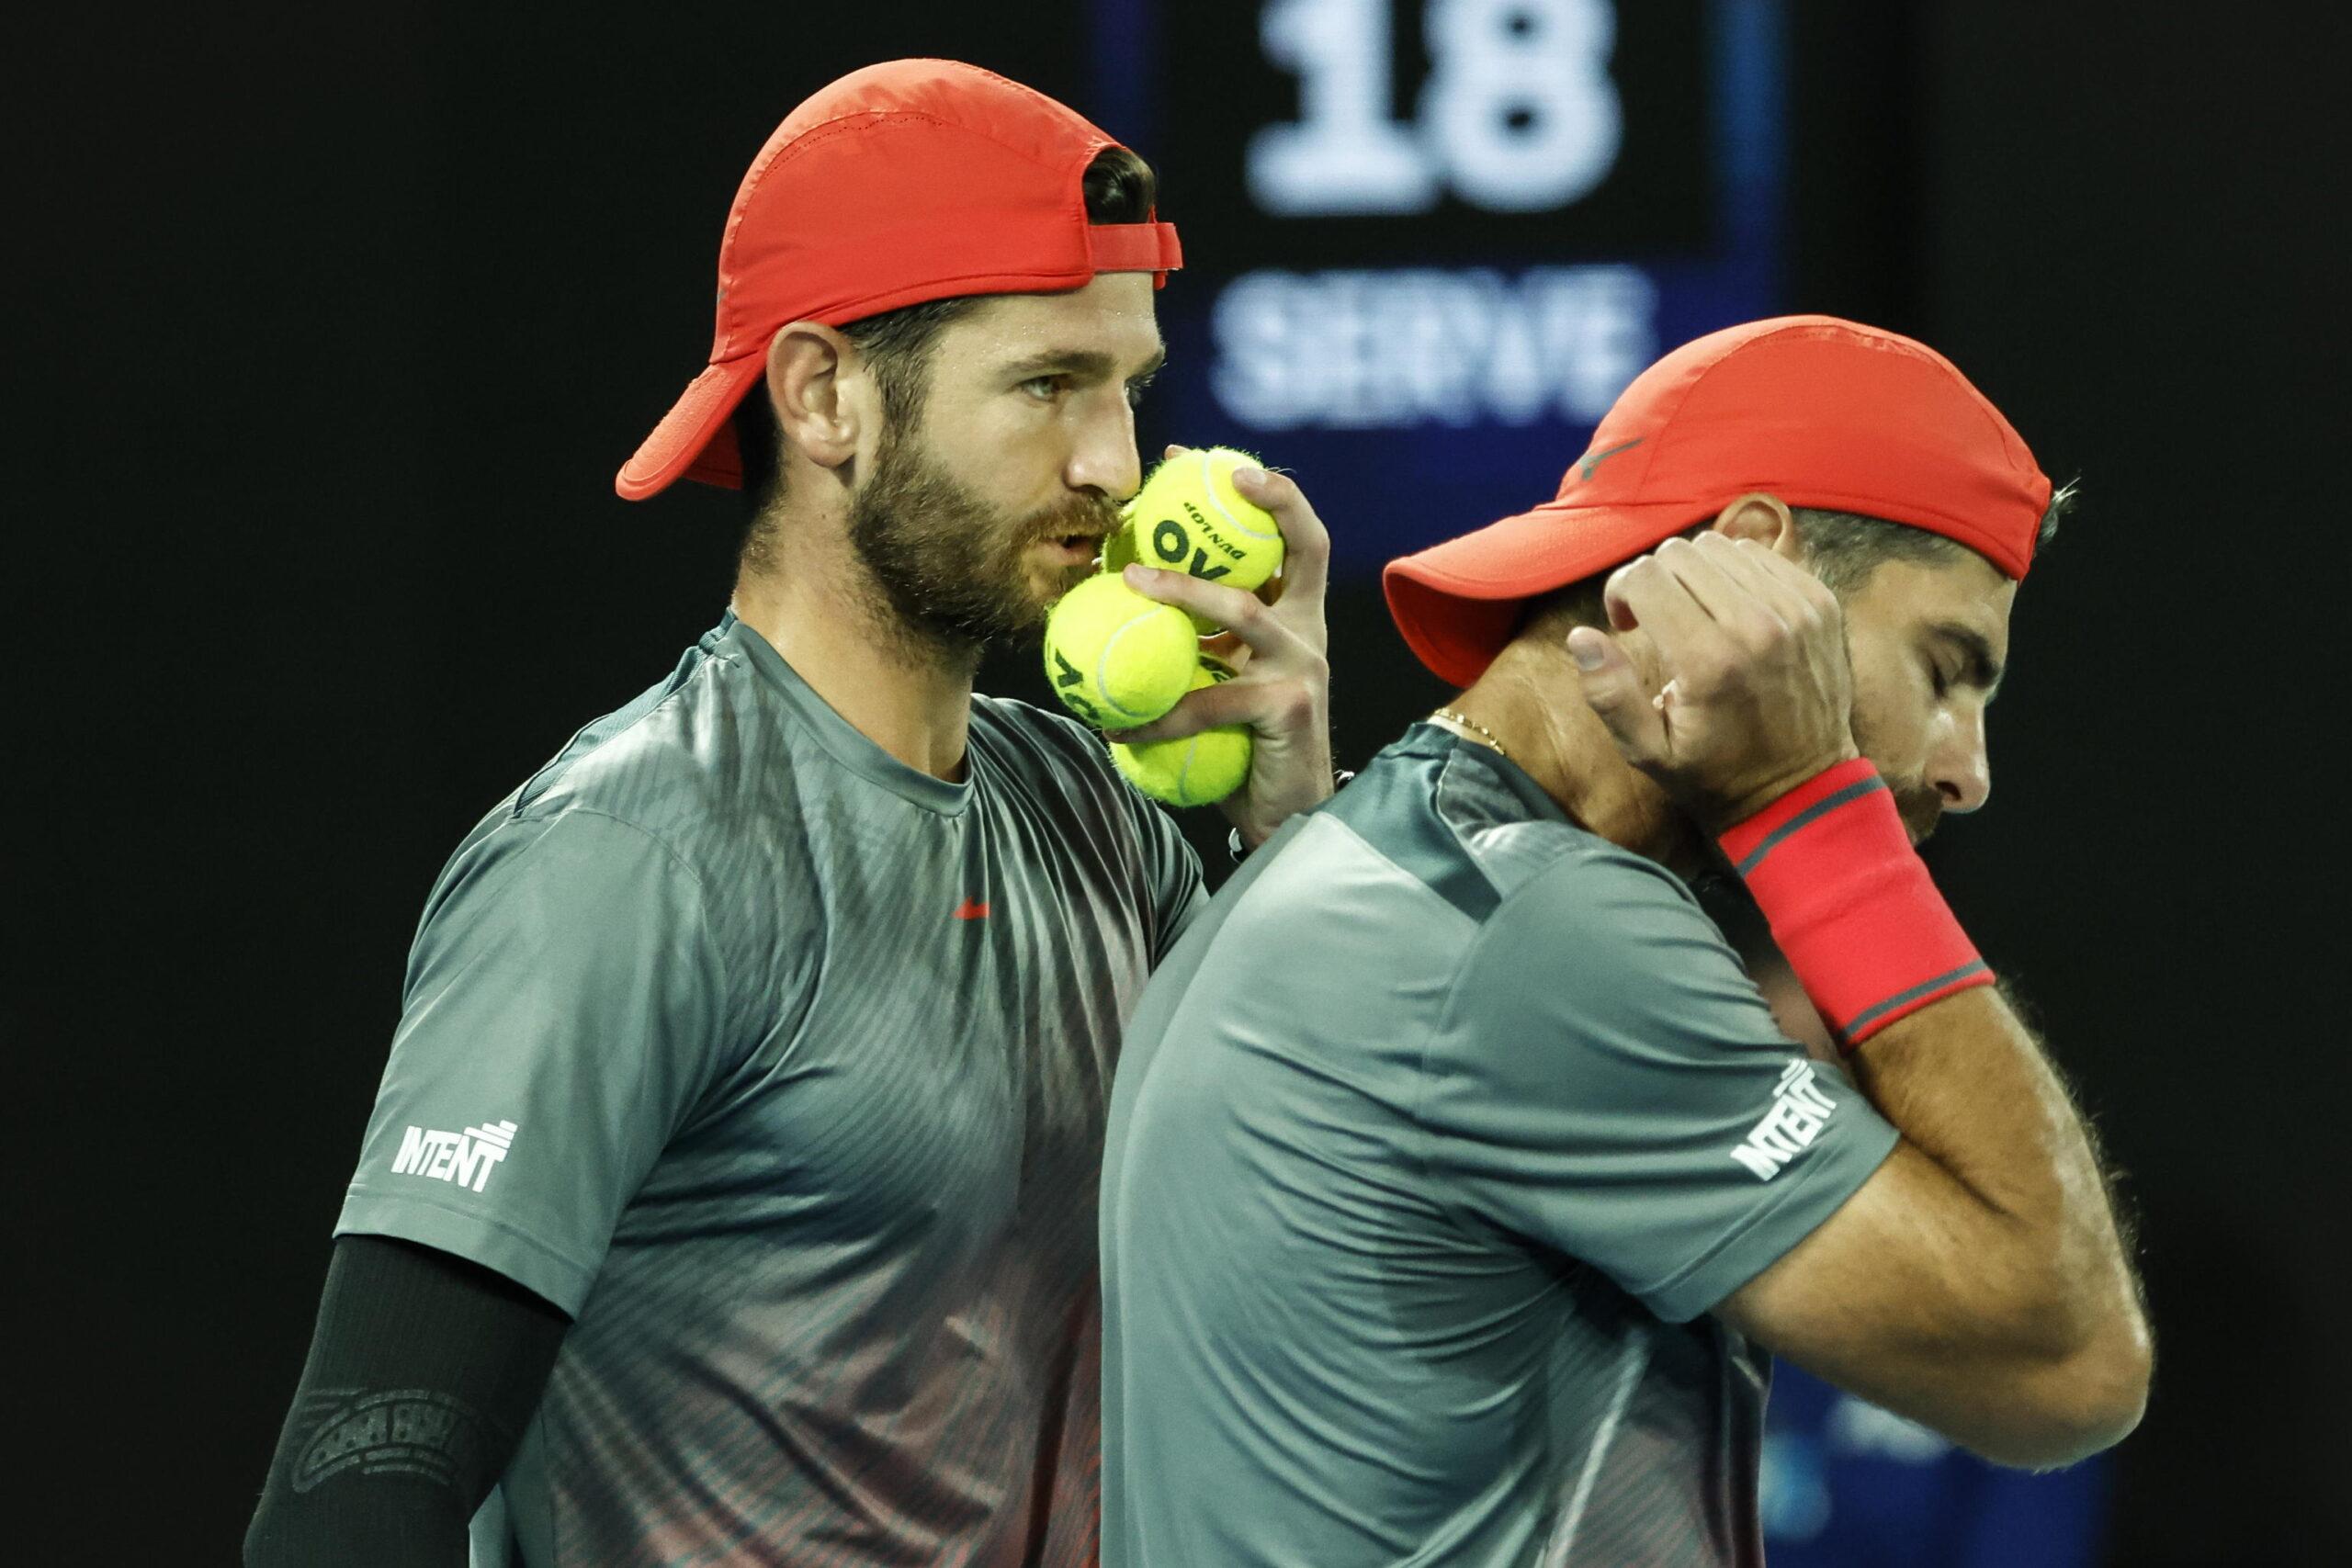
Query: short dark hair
[[1120, 188], [1845, 548], [1842, 547]]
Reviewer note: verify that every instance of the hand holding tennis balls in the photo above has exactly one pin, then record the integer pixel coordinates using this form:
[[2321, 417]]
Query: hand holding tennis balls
[[1112, 660], [1273, 705]]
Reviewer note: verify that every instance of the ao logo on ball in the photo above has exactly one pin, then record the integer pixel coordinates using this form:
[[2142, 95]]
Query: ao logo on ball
[[1187, 551], [1189, 518]]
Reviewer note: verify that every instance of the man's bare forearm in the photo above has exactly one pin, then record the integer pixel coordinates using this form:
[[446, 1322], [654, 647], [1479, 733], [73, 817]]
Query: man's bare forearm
[[2043, 1282], [1977, 1282]]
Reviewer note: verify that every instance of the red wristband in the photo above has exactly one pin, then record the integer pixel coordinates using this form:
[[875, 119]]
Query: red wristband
[[1851, 906]]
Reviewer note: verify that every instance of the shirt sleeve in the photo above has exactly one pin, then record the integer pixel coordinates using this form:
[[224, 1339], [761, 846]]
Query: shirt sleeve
[[1171, 870], [1613, 1087], [563, 1014]]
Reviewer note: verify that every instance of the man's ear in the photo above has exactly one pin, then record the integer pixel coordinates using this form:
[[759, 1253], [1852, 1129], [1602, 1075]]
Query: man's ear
[[1764, 518], [810, 372]]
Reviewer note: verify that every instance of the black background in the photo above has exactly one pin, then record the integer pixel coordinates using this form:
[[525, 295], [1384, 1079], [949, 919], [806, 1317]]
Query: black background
[[333, 325]]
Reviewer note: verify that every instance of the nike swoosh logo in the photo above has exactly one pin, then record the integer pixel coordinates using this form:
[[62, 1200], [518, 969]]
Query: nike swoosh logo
[[971, 909], [1595, 460]]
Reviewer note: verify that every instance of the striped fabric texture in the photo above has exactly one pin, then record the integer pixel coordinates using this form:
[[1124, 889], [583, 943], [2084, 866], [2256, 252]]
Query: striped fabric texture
[[801, 1060], [1432, 1144]]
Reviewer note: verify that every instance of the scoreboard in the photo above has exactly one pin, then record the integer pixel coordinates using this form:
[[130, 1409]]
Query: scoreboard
[[1428, 241]]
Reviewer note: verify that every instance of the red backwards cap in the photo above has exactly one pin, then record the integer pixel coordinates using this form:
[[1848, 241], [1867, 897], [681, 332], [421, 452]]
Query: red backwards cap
[[1817, 410], [909, 181]]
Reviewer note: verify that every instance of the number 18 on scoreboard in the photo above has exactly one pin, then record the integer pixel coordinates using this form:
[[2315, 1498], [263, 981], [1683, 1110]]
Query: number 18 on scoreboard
[[1516, 112], [1418, 231]]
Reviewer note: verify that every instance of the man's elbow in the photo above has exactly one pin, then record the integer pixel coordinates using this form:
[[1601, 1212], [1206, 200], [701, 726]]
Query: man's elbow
[[2058, 1414]]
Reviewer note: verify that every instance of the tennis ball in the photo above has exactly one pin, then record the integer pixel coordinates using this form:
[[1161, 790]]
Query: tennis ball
[[1115, 658], [1189, 518], [1196, 770], [1119, 550]]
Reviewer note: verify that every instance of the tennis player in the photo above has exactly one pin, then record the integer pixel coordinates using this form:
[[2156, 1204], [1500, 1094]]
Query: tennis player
[[1459, 1181], [729, 1194]]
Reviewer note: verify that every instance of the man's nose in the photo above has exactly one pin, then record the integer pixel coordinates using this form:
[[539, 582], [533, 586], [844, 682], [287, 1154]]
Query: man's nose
[[1960, 766], [1104, 458]]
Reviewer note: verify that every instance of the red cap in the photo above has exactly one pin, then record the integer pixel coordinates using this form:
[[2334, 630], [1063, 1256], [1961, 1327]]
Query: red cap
[[912, 180], [1819, 412]]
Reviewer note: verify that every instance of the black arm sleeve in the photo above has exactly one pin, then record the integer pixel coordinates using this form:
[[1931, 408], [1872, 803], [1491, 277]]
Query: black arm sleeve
[[422, 1372]]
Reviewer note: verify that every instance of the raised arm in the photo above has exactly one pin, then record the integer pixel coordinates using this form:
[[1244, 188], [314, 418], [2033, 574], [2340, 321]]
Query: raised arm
[[424, 1370], [1977, 1282]]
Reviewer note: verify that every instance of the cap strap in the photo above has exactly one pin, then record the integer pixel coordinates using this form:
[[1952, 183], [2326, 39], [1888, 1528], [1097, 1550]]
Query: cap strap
[[1134, 247]]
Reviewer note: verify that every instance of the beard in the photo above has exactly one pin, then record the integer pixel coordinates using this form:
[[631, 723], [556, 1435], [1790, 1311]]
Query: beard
[[1919, 802], [955, 571]]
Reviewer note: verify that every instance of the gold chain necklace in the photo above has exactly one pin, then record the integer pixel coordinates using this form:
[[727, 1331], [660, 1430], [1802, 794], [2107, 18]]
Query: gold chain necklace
[[1467, 723]]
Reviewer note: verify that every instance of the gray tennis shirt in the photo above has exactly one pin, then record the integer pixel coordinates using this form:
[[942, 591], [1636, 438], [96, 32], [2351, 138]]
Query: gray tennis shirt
[[783, 1069], [1432, 1144]]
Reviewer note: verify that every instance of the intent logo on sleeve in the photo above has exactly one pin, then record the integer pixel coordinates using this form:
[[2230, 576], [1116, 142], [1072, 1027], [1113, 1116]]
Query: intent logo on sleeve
[[1799, 1111], [464, 1157]]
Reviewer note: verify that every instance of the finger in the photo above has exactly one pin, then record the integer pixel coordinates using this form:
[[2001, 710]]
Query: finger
[[1712, 588], [1172, 450], [1227, 650], [1801, 605], [1258, 703], [1643, 592], [1307, 544], [1749, 563], [1616, 693], [1239, 612], [1710, 573]]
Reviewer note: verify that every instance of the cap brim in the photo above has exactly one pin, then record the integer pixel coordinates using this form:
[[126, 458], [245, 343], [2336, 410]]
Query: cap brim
[[693, 441], [1458, 602]]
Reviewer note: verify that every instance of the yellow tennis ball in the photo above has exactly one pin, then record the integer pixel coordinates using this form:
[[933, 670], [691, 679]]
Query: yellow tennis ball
[[1119, 550], [1115, 658], [1196, 770], [1189, 518]]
